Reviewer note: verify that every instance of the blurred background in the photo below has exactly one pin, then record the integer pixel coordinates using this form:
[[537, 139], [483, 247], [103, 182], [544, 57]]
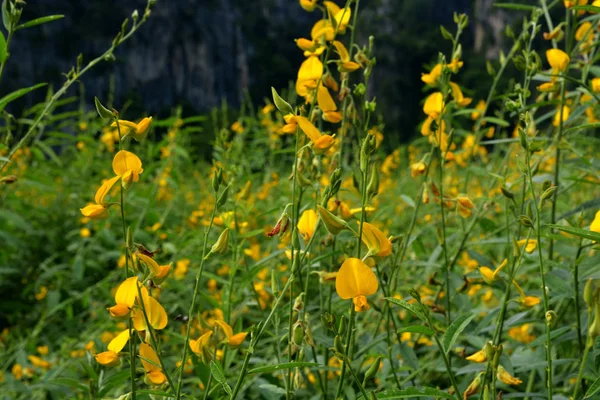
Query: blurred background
[[200, 53]]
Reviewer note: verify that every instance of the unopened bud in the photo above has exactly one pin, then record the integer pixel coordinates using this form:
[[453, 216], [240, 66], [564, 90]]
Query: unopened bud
[[551, 317], [299, 302], [223, 198], [333, 224], [298, 333], [222, 243]]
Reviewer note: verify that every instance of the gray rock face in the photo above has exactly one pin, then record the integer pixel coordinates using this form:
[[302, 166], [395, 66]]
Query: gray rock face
[[200, 52]]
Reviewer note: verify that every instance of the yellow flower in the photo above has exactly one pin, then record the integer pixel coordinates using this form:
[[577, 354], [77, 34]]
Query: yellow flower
[[558, 59], [345, 65], [490, 276], [307, 223], [99, 210], [321, 143], [157, 316], [340, 15], [232, 340], [417, 168], [38, 362], [355, 280], [17, 371], [200, 347], [157, 272], [507, 378], [41, 294], [433, 76], [85, 232], [595, 225], [478, 357], [596, 85], [127, 166], [565, 116], [327, 105], [138, 131], [479, 109], [310, 72], [458, 95], [433, 105], [527, 301], [487, 274], [375, 240], [530, 245], [42, 350], [521, 333], [151, 364], [308, 5]]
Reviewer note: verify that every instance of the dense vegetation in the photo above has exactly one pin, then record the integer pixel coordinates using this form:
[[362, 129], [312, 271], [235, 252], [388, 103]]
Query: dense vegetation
[[306, 260]]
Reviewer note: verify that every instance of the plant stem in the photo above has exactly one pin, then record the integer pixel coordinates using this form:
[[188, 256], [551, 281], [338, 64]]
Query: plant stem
[[194, 297]]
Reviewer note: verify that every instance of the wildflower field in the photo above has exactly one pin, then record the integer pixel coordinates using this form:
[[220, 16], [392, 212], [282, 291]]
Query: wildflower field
[[304, 258]]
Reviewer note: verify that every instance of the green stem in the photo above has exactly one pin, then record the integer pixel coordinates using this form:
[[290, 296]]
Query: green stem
[[194, 297], [586, 353], [542, 275], [66, 86]]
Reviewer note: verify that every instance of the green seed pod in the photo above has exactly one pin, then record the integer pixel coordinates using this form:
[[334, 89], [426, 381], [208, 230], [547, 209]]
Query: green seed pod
[[373, 186], [338, 347], [588, 293], [373, 369], [103, 112], [342, 325]]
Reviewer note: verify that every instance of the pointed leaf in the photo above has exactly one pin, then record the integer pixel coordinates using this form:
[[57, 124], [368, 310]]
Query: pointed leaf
[[455, 329], [582, 233], [408, 307], [39, 21], [18, 93]]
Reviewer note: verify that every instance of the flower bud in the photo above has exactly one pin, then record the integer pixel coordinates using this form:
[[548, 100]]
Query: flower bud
[[281, 104], [333, 224], [372, 370], [223, 198], [222, 243], [474, 386], [298, 333], [299, 302]]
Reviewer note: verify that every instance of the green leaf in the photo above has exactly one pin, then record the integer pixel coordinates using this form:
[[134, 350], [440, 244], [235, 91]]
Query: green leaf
[[455, 329], [18, 93], [496, 121], [583, 233], [447, 35], [3, 49], [103, 112], [412, 392], [582, 126], [217, 373], [113, 381], [70, 382], [408, 200], [279, 367], [515, 6], [280, 103], [587, 8], [408, 307], [39, 21], [417, 329], [5, 15], [593, 389]]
